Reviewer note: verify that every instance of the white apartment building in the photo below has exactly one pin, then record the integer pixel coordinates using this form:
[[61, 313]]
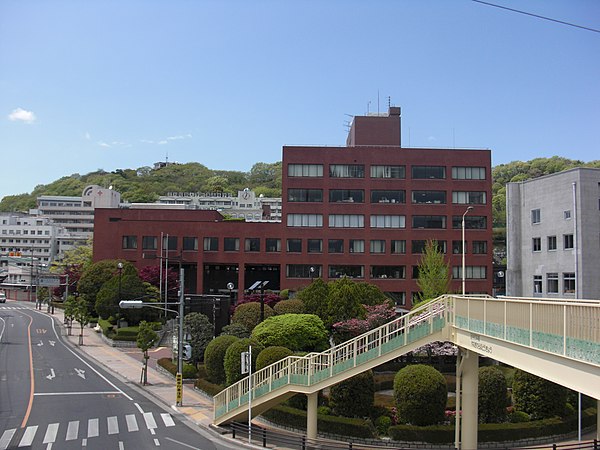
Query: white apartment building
[[553, 235]]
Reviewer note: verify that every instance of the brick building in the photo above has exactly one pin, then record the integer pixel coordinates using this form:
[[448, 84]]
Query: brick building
[[363, 211]]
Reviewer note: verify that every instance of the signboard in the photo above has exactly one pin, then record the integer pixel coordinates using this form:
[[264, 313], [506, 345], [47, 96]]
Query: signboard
[[179, 386], [49, 280]]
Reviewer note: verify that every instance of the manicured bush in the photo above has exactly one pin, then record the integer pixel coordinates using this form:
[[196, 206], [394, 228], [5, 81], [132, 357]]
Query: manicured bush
[[294, 331], [518, 417], [233, 361], [271, 355], [248, 314], [189, 371], [214, 355], [207, 387], [492, 395], [353, 397], [294, 306], [538, 397], [235, 329], [383, 424], [420, 393]]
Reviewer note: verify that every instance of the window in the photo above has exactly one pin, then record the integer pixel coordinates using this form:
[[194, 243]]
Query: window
[[536, 216], [305, 170], [417, 246], [346, 196], [379, 196], [335, 246], [473, 198], [304, 220], [536, 244], [305, 195], [394, 272], [567, 214], [346, 221], [149, 242], [398, 247], [303, 271], [356, 246], [231, 244], [471, 272], [569, 283], [415, 272], [211, 244], [347, 171], [346, 271], [471, 222], [457, 247], [252, 245], [273, 245], [436, 222], [429, 172], [479, 247], [398, 172], [315, 246], [377, 246], [383, 221], [552, 283], [190, 243], [468, 173], [294, 245], [428, 197], [170, 242], [537, 284], [568, 241], [130, 242], [551, 243]]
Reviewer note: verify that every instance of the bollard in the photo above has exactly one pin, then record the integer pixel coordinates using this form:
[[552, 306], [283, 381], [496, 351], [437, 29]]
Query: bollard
[[264, 433], [596, 444], [233, 431], [303, 443], [349, 445]]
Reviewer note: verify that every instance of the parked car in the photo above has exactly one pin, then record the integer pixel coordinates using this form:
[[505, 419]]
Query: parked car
[[2, 297]]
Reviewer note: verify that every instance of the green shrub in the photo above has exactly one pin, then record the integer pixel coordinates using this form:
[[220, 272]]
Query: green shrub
[[294, 306], [518, 417], [248, 314], [294, 331], [383, 424], [207, 387], [353, 397], [324, 410], [434, 434], [420, 393], [189, 371], [492, 395], [235, 329], [284, 294], [539, 398], [271, 355], [214, 356], [233, 362]]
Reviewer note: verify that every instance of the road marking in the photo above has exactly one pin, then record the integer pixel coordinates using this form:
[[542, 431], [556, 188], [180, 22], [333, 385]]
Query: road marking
[[157, 442], [183, 444], [167, 419], [131, 423], [31, 376], [72, 430], [52, 374], [80, 372], [39, 344], [6, 438], [139, 408], [93, 430], [51, 433], [28, 436], [41, 330], [150, 422], [113, 425], [49, 394], [121, 445], [84, 442], [52, 343]]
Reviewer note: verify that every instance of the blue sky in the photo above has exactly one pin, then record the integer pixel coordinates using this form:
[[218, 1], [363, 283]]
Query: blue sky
[[121, 84]]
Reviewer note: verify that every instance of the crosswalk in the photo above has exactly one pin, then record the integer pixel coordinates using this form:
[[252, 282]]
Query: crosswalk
[[14, 307], [84, 430]]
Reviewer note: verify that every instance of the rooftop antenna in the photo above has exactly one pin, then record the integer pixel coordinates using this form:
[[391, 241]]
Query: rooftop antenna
[[368, 106], [377, 101], [389, 101], [167, 158]]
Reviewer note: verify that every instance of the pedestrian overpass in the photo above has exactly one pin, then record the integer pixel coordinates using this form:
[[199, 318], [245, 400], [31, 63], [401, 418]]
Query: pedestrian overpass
[[556, 339]]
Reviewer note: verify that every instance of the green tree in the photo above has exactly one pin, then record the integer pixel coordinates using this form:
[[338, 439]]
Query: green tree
[[82, 315], [146, 338], [492, 395], [353, 397], [95, 276], [201, 333], [248, 314], [124, 286], [235, 329], [233, 361], [297, 332], [214, 357], [314, 297], [216, 184], [434, 273], [344, 302], [69, 311], [271, 355], [540, 398]]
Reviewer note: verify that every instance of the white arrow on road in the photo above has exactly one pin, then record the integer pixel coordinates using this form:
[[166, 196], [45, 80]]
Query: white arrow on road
[[52, 375], [40, 343], [52, 343], [81, 373]]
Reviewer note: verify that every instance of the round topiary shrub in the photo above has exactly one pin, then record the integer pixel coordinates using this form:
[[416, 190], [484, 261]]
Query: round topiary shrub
[[540, 398], [294, 331], [420, 393], [492, 395], [233, 361], [236, 329], [271, 355], [248, 314], [214, 355], [294, 306], [353, 397]]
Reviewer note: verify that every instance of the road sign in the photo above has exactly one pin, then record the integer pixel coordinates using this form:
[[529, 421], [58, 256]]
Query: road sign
[[179, 386], [49, 280]]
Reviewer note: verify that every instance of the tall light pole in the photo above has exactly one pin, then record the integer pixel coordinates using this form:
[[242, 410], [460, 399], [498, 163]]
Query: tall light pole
[[120, 267], [463, 248]]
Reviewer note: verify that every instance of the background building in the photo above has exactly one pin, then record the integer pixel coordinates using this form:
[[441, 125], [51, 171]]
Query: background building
[[553, 235]]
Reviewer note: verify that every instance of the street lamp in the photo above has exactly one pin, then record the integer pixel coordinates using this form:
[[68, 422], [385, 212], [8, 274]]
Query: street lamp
[[312, 273], [120, 267], [463, 248]]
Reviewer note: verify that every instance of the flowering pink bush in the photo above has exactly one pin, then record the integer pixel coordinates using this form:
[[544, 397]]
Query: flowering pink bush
[[377, 315]]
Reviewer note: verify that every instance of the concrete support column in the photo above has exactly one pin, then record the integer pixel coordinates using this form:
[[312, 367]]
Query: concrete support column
[[311, 415], [470, 387], [598, 419]]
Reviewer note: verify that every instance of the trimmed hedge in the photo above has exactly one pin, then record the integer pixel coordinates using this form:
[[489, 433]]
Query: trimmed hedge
[[189, 371], [420, 394], [271, 355], [214, 356]]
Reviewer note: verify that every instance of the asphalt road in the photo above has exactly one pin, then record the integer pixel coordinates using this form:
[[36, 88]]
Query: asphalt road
[[52, 396]]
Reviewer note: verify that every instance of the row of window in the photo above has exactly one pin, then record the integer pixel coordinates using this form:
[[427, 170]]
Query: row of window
[[384, 221], [536, 215], [386, 171], [358, 271], [551, 243], [552, 283], [385, 196], [293, 245], [26, 232]]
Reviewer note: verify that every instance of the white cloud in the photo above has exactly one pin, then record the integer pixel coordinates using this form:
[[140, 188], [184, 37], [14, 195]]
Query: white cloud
[[179, 137], [22, 115], [163, 142], [103, 144]]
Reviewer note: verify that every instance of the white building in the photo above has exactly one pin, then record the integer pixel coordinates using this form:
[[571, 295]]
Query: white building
[[553, 235]]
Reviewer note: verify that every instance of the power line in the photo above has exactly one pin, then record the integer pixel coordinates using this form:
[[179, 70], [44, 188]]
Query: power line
[[538, 16]]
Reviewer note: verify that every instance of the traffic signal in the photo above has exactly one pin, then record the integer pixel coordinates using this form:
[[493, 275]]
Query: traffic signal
[[187, 352]]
